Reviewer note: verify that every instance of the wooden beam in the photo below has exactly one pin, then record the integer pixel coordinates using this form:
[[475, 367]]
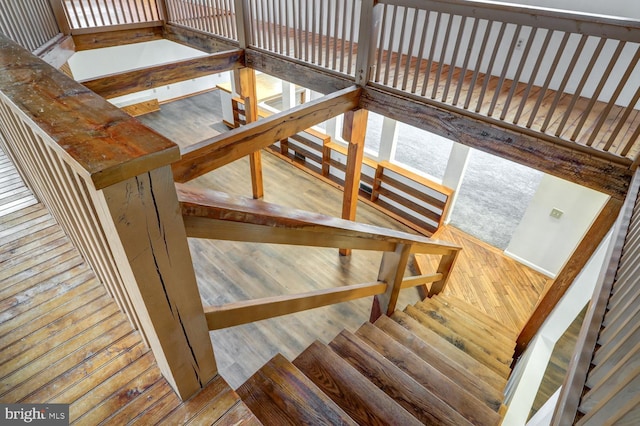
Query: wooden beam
[[202, 157], [98, 40], [245, 82], [255, 310], [143, 225], [67, 112], [198, 39], [581, 255], [354, 130], [584, 166], [124, 83], [303, 74]]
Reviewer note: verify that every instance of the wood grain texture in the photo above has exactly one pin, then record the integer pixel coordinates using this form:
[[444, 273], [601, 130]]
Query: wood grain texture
[[197, 39], [100, 40], [119, 147], [133, 81], [212, 153], [356, 395]]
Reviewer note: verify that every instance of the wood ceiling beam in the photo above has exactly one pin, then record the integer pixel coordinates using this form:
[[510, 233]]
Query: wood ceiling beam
[[225, 148], [124, 83], [608, 175], [197, 39], [98, 40], [297, 72]]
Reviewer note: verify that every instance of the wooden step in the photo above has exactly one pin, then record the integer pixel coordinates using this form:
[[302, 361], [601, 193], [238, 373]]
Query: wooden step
[[413, 397], [443, 387], [478, 352], [487, 388], [468, 362], [357, 396], [467, 326], [507, 339], [479, 315], [280, 394]]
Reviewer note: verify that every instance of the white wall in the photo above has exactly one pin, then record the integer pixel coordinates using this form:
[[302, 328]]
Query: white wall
[[544, 242], [94, 63], [622, 8]]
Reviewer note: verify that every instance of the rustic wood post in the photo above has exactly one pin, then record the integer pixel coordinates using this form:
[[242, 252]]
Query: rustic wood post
[[354, 130], [391, 272], [143, 224], [447, 262]]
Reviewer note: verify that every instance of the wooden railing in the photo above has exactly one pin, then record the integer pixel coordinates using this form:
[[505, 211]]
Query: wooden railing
[[30, 23], [570, 77], [216, 215], [217, 17], [414, 200], [601, 383], [107, 181], [88, 14], [319, 32]]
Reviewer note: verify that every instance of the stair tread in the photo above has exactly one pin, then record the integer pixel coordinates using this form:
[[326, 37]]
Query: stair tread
[[497, 333], [470, 348], [419, 401], [357, 396], [294, 394], [477, 379], [238, 414], [470, 364], [478, 314], [470, 331], [445, 388]]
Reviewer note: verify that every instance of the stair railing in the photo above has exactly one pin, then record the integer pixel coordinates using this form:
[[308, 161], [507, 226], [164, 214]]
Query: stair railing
[[107, 181], [216, 215]]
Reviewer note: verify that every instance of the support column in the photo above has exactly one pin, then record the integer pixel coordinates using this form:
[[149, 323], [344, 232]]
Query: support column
[[143, 224], [353, 131], [454, 173], [288, 95], [245, 85], [388, 139]]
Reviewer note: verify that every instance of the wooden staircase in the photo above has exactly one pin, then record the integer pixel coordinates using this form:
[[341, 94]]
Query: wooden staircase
[[441, 361]]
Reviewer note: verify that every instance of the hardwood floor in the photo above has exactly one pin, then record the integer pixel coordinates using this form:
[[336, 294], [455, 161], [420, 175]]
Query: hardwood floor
[[63, 339]]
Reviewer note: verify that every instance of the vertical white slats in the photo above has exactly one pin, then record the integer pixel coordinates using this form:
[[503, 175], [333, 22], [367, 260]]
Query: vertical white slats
[[487, 76], [31, 23], [523, 60]]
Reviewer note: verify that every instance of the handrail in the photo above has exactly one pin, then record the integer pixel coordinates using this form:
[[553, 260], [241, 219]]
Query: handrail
[[610, 279], [216, 215], [106, 180]]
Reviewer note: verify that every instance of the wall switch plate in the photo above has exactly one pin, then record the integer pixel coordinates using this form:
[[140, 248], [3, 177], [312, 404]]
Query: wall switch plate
[[557, 213]]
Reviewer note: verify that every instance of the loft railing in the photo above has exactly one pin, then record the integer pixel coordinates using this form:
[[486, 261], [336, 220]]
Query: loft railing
[[93, 14], [570, 77], [30, 23], [216, 17]]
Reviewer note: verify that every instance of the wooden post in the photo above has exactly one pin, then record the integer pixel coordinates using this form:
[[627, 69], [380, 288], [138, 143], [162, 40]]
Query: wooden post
[[245, 83], [242, 24], [447, 262], [61, 18], [142, 221], [569, 272], [391, 272], [353, 131], [370, 16]]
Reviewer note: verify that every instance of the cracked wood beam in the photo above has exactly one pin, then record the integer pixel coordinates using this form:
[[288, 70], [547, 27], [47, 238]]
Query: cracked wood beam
[[143, 224], [124, 83], [210, 154]]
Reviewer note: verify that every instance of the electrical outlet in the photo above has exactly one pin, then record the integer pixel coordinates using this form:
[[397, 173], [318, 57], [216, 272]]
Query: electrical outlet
[[519, 44], [556, 213]]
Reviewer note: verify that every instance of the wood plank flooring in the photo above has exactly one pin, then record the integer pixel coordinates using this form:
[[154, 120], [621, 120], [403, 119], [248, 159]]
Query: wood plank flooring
[[489, 280], [63, 339]]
